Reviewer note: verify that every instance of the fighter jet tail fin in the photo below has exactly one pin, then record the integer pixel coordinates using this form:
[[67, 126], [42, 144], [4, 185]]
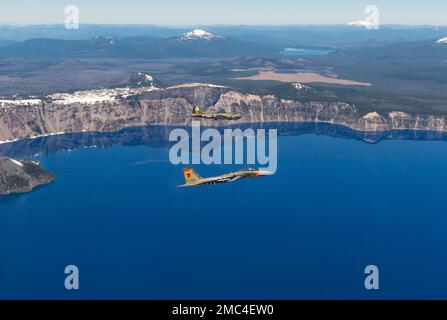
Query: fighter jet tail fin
[[191, 176]]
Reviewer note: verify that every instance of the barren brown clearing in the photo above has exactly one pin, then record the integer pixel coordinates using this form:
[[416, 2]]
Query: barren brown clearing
[[302, 77]]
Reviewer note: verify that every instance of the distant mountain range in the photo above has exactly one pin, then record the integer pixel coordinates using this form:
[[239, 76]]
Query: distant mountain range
[[426, 50], [286, 35], [197, 43]]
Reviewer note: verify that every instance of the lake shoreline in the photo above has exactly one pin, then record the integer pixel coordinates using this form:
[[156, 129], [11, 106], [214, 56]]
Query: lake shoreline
[[233, 124]]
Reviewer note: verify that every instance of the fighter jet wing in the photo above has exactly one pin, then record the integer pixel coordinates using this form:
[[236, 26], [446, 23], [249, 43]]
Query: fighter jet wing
[[229, 179]]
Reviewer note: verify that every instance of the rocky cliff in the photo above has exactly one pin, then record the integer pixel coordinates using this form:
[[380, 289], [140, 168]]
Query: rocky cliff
[[115, 109], [21, 176]]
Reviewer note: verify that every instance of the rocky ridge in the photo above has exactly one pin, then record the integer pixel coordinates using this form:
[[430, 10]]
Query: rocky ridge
[[21, 176], [110, 110]]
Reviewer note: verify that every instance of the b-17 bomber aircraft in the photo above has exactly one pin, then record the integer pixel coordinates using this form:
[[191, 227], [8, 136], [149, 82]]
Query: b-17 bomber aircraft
[[194, 180], [197, 113]]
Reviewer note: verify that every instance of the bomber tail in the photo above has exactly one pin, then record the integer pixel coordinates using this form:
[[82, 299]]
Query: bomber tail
[[191, 177], [196, 110]]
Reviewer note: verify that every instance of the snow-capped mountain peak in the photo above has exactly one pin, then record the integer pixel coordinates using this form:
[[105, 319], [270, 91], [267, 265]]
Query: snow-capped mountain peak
[[442, 40], [199, 34], [361, 23], [145, 76], [141, 79]]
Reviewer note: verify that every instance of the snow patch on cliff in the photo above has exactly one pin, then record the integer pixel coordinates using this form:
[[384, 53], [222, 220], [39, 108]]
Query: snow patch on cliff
[[97, 96], [300, 86], [372, 115], [196, 84], [19, 102], [397, 114], [16, 162]]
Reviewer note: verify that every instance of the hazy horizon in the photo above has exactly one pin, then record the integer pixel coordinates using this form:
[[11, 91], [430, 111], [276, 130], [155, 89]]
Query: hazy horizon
[[229, 12], [199, 26]]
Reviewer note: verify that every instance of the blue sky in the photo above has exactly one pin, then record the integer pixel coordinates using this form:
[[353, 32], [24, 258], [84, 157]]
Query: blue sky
[[200, 12]]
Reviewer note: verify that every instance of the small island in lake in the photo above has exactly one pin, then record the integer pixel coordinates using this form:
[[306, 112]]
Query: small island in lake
[[20, 176]]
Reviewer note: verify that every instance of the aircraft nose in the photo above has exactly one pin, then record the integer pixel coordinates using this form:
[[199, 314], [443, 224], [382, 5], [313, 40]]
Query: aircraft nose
[[265, 173]]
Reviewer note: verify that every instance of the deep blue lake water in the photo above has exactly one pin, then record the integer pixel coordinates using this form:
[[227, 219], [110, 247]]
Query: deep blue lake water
[[336, 205]]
